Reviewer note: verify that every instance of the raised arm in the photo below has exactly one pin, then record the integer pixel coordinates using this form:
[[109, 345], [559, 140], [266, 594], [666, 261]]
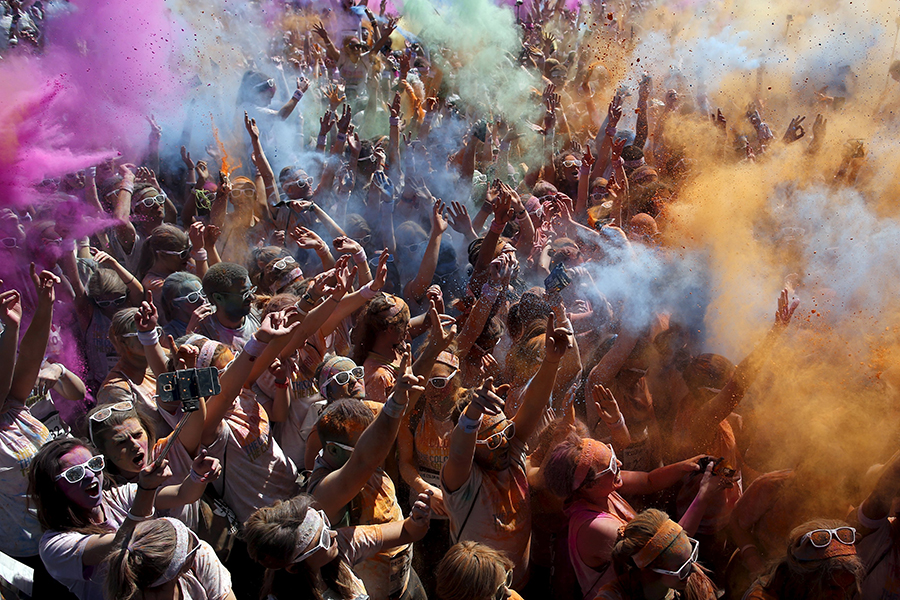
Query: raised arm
[[259, 155], [34, 343], [330, 50], [415, 289], [11, 317], [340, 486]]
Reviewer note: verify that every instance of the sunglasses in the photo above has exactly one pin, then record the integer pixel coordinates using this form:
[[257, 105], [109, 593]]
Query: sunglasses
[[51, 242], [245, 193], [151, 201], [266, 85], [686, 569], [572, 163], [285, 263], [324, 539], [414, 248], [612, 468], [361, 241], [247, 294], [115, 302], [76, 473], [440, 383], [182, 254], [821, 538], [192, 298], [495, 441], [9, 242], [105, 413], [300, 183], [500, 594], [343, 378]]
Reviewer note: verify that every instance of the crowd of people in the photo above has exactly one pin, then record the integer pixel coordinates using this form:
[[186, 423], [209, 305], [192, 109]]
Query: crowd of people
[[415, 385]]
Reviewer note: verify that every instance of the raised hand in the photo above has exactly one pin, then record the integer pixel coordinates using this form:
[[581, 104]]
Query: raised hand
[[785, 311], [794, 131], [200, 313], [354, 144], [487, 399], [302, 84], [718, 120], [196, 233], [819, 126], [147, 316], [307, 239], [587, 161], [442, 334], [395, 107], [155, 129], [459, 217], [407, 381], [345, 245], [207, 467], [335, 95], [10, 308], [319, 30], [558, 341], [44, 285], [202, 170], [380, 277], [275, 325], [154, 474], [344, 122], [606, 404], [145, 175], [251, 126], [186, 158], [326, 122], [438, 223], [614, 112], [420, 515]]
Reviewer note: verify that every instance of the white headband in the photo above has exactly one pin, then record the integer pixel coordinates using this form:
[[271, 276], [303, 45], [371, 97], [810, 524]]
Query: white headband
[[182, 536], [308, 529]]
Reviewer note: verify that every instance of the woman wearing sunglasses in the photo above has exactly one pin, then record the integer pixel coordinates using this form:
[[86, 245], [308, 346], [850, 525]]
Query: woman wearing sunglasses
[[80, 518], [588, 475], [424, 446], [305, 558], [655, 559], [820, 563], [162, 559], [184, 304], [169, 250]]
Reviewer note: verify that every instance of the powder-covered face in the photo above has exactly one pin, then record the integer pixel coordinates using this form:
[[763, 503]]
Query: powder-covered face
[[88, 492], [497, 459], [182, 309], [236, 301], [127, 447]]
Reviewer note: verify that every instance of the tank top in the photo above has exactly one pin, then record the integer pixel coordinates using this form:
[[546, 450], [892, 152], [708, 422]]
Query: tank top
[[581, 515]]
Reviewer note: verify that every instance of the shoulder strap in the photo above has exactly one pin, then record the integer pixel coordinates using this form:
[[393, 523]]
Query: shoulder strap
[[468, 514]]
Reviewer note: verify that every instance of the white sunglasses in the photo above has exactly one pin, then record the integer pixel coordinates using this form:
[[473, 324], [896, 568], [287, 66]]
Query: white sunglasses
[[685, 570]]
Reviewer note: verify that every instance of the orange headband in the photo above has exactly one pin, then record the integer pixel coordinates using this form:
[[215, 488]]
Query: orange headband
[[395, 308], [661, 540], [591, 453], [449, 359]]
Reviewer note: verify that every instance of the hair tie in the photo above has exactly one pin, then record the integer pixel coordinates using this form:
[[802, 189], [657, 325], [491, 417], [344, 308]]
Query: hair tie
[[662, 539], [620, 533], [591, 452]]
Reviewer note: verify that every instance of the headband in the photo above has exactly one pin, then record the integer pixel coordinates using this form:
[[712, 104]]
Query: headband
[[591, 453], [311, 524], [661, 540], [206, 354], [287, 279], [634, 164], [328, 370], [179, 557], [449, 359], [395, 308]]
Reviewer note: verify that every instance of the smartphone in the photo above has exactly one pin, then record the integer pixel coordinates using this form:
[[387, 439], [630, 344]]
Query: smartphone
[[557, 280]]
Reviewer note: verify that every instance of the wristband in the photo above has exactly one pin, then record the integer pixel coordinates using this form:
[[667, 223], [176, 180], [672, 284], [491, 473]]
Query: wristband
[[342, 137], [867, 522], [147, 490], [195, 476], [360, 257], [67, 245], [469, 425], [92, 172], [497, 227], [148, 338], [393, 409], [747, 547], [297, 95], [199, 255], [322, 140], [521, 214], [126, 186], [281, 384], [367, 292], [137, 518], [395, 121], [611, 131], [254, 347], [504, 146]]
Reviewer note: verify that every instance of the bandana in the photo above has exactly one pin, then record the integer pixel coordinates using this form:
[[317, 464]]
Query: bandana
[[809, 553], [310, 526], [449, 359], [330, 368], [179, 557], [634, 164], [592, 453], [663, 538]]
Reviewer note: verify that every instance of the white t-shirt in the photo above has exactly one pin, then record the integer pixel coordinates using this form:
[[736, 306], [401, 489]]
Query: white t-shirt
[[21, 436], [207, 579], [62, 552], [233, 338]]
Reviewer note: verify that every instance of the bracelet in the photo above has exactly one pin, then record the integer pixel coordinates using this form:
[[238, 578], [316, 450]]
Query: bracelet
[[504, 146], [469, 425], [611, 131], [360, 257], [617, 423], [148, 338], [147, 489], [92, 172], [297, 95], [342, 137], [747, 547], [322, 140], [196, 476], [67, 245], [126, 186], [393, 409], [521, 214], [281, 384], [254, 347], [367, 292], [497, 226], [136, 518], [200, 255], [395, 121]]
